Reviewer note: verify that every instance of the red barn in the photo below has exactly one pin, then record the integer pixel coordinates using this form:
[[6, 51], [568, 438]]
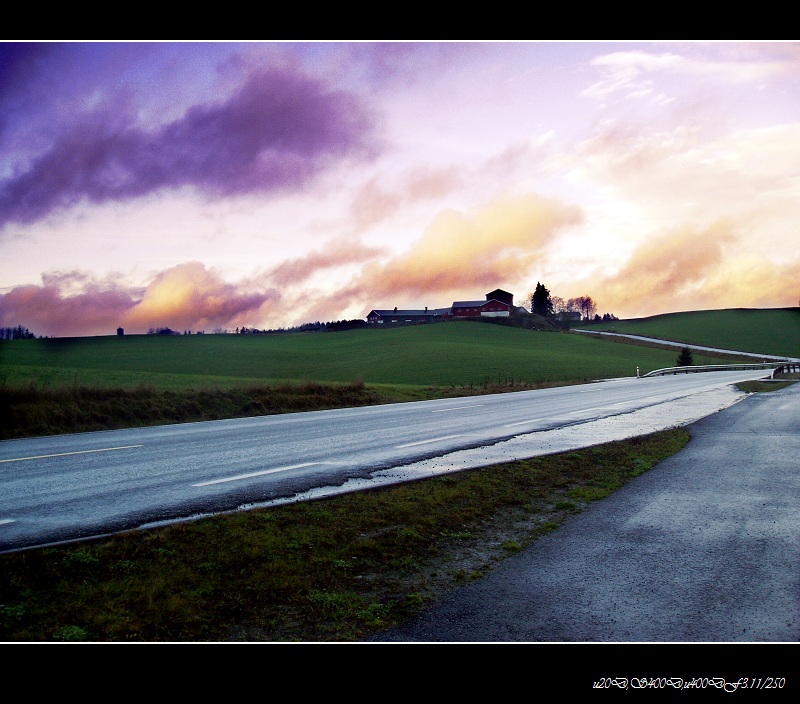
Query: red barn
[[498, 303]]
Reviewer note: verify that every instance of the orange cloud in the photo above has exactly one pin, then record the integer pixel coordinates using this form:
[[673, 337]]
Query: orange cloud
[[192, 297], [689, 269], [464, 253], [185, 297], [753, 282]]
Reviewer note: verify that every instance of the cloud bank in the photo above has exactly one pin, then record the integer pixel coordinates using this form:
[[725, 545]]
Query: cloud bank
[[208, 185], [460, 254], [279, 131], [185, 297], [689, 269]]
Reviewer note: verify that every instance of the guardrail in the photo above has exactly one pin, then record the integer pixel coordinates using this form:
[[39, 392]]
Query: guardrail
[[775, 366]]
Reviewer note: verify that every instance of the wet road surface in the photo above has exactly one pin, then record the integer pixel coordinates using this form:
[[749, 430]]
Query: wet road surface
[[705, 547], [73, 487]]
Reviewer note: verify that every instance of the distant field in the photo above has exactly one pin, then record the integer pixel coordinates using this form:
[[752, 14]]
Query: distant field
[[446, 354], [770, 331]]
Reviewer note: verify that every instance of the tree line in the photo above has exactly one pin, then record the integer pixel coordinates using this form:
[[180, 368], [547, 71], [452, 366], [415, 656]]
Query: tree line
[[554, 307], [334, 325], [17, 333]]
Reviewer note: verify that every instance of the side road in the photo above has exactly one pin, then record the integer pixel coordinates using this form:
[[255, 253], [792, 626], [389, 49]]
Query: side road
[[705, 547], [696, 348]]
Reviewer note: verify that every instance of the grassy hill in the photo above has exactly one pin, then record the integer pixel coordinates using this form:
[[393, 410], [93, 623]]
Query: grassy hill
[[51, 386], [769, 331], [443, 355]]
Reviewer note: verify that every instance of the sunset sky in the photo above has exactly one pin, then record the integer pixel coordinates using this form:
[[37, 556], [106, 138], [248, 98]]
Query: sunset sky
[[218, 185]]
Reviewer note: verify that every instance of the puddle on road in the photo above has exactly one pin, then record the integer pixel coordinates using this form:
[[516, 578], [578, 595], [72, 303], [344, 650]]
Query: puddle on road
[[662, 416]]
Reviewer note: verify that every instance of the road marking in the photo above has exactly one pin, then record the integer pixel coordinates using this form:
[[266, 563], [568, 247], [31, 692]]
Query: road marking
[[603, 408], [425, 442], [66, 454], [457, 408], [259, 474], [524, 422], [3, 521]]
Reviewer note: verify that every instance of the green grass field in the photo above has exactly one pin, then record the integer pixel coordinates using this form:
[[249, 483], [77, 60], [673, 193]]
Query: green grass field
[[449, 354], [66, 385], [770, 331]]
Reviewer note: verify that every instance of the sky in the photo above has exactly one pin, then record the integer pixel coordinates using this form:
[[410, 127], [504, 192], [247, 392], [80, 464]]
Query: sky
[[214, 186]]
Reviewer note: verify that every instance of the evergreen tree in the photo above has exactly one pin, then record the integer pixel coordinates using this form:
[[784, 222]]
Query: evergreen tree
[[685, 358], [541, 303]]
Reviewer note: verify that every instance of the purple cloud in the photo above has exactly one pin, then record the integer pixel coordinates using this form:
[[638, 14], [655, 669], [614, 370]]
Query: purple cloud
[[278, 132], [50, 312]]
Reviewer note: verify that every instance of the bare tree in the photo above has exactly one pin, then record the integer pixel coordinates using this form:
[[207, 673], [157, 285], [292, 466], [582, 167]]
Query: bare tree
[[573, 305], [559, 304], [586, 306]]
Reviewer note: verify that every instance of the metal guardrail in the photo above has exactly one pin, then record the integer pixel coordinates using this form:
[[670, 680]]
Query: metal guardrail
[[721, 368]]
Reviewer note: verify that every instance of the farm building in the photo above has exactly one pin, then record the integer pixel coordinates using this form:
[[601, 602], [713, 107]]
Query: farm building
[[498, 303], [502, 296], [569, 316], [407, 316]]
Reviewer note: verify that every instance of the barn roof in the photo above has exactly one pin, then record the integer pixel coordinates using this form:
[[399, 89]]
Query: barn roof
[[477, 304], [395, 311]]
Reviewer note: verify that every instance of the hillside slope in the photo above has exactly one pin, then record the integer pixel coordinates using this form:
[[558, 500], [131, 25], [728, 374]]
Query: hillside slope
[[773, 331], [444, 354]]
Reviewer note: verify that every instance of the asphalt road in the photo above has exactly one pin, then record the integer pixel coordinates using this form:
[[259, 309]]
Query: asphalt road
[[705, 547], [77, 486]]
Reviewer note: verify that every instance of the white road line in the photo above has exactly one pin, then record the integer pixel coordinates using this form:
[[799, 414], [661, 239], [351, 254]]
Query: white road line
[[587, 410], [259, 474], [523, 422], [3, 521], [603, 408], [425, 442], [457, 408], [66, 454]]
